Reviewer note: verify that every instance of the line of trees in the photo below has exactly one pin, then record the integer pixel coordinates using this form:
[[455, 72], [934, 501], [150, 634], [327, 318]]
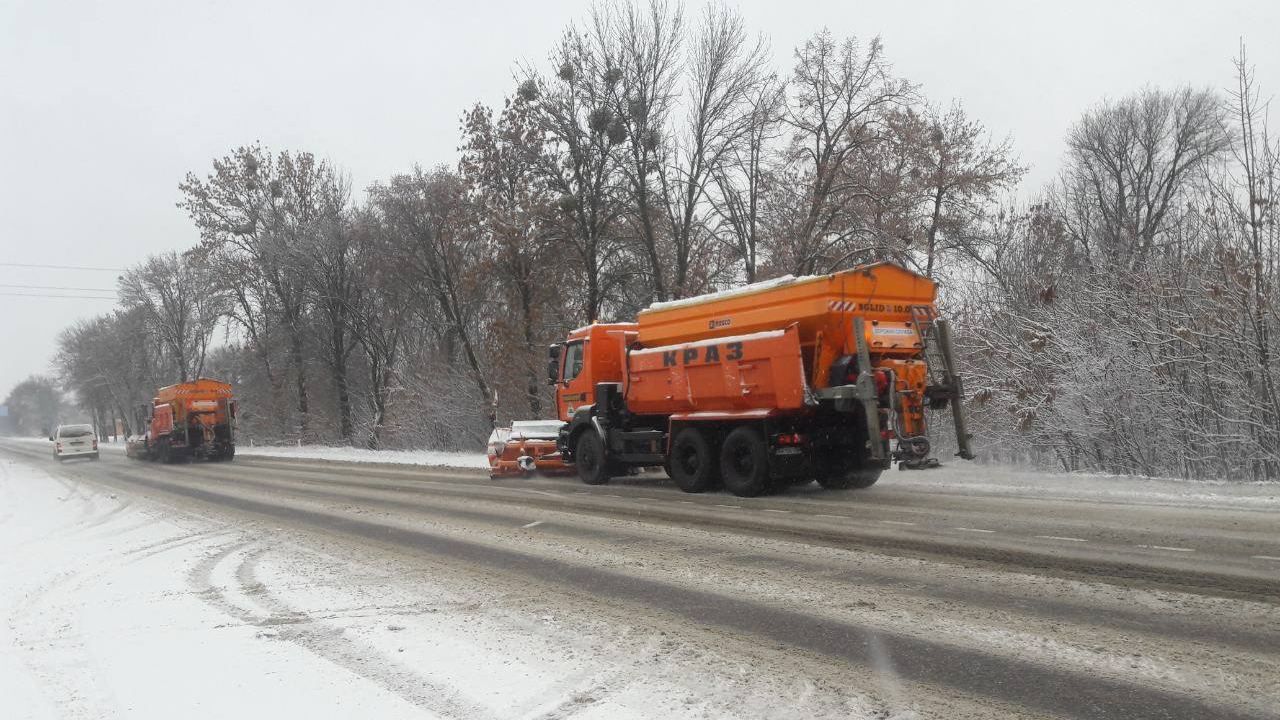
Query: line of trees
[[1124, 320]]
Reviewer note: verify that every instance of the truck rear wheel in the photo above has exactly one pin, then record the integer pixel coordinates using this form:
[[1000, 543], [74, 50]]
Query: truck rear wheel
[[744, 462], [589, 457], [692, 464]]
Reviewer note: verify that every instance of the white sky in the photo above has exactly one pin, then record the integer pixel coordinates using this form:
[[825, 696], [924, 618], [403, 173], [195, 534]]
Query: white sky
[[104, 106]]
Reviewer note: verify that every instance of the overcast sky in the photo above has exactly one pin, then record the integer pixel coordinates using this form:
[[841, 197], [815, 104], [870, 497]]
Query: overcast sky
[[104, 106]]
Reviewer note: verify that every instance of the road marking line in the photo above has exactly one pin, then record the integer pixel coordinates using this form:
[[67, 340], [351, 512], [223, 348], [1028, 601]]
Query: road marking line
[[535, 523], [777, 511], [838, 517], [735, 507], [1060, 537], [1166, 547], [896, 522], [614, 496], [543, 492], [1264, 557], [687, 502], [973, 530]]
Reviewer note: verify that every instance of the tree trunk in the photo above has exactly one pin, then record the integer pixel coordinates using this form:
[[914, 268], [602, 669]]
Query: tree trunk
[[534, 388], [300, 378], [338, 349]]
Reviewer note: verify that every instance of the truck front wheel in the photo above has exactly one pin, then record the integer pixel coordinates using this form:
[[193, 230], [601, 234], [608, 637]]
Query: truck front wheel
[[589, 457], [744, 462], [692, 465]]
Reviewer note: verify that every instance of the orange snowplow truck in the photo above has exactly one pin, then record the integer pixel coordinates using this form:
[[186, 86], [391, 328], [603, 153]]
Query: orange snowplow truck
[[189, 420], [764, 386]]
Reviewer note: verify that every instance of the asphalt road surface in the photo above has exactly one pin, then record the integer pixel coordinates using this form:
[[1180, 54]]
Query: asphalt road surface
[[956, 602]]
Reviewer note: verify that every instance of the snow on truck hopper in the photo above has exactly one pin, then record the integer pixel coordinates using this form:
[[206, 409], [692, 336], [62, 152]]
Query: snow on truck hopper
[[187, 420], [767, 385]]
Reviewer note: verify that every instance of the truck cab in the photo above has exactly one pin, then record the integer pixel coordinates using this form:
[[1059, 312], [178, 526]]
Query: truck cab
[[589, 355]]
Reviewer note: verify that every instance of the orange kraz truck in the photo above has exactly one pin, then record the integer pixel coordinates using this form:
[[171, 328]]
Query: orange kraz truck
[[189, 420], [764, 386]]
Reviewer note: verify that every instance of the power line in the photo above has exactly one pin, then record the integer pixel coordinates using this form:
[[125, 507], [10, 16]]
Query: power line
[[41, 295], [55, 287], [61, 267]]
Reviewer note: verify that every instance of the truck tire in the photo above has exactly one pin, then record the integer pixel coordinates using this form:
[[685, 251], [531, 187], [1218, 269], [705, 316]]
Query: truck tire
[[744, 462], [692, 464], [588, 455]]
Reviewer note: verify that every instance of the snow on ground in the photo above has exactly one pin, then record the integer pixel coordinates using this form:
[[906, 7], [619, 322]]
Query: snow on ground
[[430, 458], [113, 606], [101, 619], [956, 476], [967, 478], [427, 458]]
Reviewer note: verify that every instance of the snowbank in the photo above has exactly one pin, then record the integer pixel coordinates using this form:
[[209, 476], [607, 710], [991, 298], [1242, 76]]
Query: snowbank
[[964, 478], [426, 458], [429, 458]]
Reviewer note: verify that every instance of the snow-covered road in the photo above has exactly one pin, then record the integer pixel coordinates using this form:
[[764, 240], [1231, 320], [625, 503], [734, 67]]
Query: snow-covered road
[[116, 606], [274, 587]]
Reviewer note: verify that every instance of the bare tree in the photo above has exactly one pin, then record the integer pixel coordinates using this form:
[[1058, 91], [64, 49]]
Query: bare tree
[[513, 202], [745, 170], [1258, 163], [334, 284], [438, 251], [842, 94], [725, 78], [961, 176], [268, 209], [1129, 160], [635, 57], [180, 304], [578, 162]]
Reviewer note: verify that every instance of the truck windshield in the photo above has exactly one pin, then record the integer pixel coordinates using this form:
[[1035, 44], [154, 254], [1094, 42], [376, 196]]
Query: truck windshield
[[573, 360]]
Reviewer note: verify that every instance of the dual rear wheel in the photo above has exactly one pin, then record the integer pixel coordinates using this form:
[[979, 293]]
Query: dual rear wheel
[[742, 464]]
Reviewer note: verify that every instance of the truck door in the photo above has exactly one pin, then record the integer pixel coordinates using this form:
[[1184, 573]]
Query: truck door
[[573, 390]]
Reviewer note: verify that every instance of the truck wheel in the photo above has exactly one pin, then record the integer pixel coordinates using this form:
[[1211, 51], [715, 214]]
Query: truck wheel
[[589, 457], [691, 464], [744, 462]]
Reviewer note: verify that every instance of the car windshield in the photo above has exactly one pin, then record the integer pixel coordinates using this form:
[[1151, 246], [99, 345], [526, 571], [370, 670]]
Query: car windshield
[[75, 431]]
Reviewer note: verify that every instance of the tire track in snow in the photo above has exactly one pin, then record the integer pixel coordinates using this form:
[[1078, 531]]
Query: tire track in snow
[[279, 621]]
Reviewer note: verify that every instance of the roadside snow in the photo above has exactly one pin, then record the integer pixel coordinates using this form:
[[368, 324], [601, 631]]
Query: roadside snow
[[966, 478], [427, 458], [101, 620], [430, 458]]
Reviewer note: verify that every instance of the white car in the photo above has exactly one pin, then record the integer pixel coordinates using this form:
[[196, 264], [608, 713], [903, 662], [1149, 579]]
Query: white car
[[74, 441]]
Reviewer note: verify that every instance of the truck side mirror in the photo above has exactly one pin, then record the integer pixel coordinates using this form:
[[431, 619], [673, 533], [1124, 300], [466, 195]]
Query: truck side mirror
[[553, 363]]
